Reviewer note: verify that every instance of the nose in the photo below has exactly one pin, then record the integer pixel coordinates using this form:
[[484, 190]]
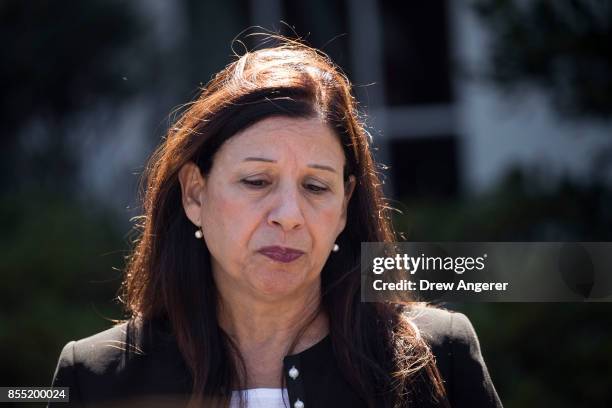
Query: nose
[[286, 211]]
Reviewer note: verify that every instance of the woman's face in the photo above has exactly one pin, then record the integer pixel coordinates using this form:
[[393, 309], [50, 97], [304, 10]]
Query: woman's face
[[271, 207]]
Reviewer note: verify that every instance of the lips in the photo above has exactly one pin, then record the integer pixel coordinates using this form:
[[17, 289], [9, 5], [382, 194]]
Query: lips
[[281, 254]]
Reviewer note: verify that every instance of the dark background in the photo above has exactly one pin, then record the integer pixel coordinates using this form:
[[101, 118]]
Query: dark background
[[89, 88]]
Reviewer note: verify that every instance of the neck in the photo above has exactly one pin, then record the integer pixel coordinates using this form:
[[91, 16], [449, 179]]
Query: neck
[[257, 325]]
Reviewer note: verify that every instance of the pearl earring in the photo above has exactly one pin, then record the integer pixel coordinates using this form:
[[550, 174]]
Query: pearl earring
[[199, 234], [336, 248]]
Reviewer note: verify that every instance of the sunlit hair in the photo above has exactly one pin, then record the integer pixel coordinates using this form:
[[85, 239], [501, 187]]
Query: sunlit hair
[[169, 276]]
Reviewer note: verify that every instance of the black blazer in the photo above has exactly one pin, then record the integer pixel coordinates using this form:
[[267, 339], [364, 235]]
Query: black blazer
[[102, 373]]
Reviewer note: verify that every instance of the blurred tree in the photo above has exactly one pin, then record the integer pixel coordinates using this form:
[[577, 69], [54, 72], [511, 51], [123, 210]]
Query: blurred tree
[[538, 354], [562, 46], [518, 209], [547, 354], [58, 59], [58, 281]]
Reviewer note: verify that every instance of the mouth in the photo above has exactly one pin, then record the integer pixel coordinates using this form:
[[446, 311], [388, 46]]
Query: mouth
[[281, 254]]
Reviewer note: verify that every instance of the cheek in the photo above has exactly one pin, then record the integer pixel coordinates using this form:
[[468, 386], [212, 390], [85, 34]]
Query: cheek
[[326, 221], [229, 219]]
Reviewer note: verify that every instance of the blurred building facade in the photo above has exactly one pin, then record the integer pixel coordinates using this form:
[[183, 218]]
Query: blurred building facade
[[442, 130]]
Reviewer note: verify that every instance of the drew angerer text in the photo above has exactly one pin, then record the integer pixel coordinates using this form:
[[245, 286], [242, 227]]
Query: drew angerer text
[[425, 285]]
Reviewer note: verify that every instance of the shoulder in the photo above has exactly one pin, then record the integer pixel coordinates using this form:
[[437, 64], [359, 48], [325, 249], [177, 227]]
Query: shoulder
[[83, 359], [456, 348], [99, 356], [103, 350], [441, 327], [117, 364]]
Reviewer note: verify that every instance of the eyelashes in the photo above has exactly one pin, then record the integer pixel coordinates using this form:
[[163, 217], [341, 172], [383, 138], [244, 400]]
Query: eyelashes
[[260, 184], [316, 188]]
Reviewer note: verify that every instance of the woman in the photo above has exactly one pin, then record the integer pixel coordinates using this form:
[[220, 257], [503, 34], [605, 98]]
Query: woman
[[244, 287]]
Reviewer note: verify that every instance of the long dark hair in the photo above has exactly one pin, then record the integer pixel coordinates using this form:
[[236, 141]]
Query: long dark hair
[[379, 351]]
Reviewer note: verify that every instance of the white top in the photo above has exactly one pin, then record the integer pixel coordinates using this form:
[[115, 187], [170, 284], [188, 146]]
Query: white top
[[262, 398]]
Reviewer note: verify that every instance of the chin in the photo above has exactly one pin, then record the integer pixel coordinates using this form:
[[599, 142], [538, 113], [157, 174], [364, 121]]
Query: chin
[[276, 284]]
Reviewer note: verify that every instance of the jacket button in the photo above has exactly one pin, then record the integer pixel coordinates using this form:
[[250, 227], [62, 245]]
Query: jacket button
[[293, 373], [298, 404]]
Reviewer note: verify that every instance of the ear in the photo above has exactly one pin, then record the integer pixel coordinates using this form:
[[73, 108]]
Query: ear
[[349, 187], [192, 188]]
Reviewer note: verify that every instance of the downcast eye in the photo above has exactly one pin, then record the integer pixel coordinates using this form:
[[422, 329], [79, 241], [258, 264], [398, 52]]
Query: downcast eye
[[257, 183], [315, 188]]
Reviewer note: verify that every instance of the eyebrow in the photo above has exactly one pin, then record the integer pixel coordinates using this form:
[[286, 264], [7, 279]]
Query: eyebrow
[[313, 165]]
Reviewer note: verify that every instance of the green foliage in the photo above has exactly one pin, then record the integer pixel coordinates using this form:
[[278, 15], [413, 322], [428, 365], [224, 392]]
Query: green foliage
[[60, 59], [516, 210], [538, 354], [63, 57], [562, 46], [547, 354], [58, 280]]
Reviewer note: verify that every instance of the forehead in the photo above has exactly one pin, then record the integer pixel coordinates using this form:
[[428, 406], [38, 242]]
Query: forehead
[[279, 136]]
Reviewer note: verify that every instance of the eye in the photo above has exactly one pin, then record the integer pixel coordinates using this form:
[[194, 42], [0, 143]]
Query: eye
[[255, 183], [315, 188]]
